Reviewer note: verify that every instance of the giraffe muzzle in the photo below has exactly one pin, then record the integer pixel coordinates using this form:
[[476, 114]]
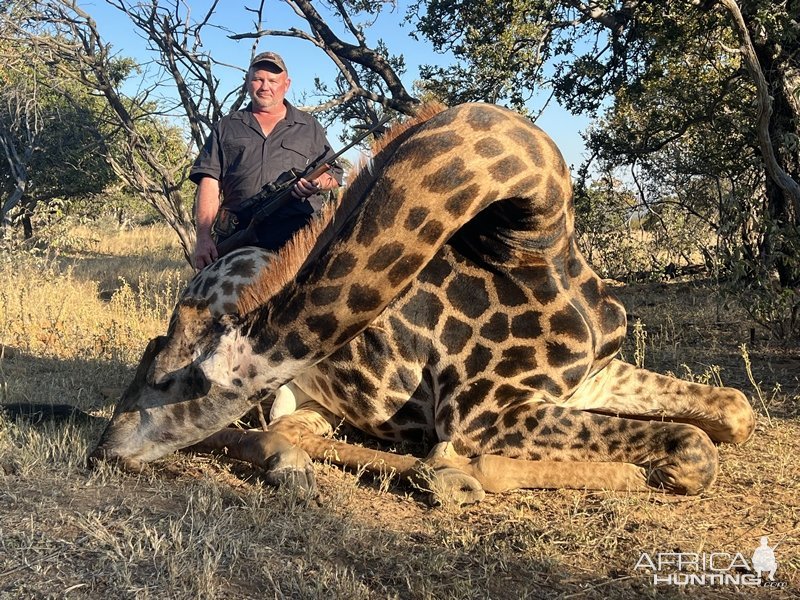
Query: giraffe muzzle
[[102, 455]]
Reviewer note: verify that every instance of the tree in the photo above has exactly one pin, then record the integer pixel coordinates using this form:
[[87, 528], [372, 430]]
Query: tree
[[48, 142], [143, 153], [705, 90], [20, 127], [183, 86], [704, 118]]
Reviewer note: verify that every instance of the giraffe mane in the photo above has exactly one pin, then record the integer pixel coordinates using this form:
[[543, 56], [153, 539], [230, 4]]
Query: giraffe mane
[[309, 242]]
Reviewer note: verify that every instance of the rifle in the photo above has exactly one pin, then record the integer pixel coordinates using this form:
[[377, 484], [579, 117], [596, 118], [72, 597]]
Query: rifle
[[230, 231]]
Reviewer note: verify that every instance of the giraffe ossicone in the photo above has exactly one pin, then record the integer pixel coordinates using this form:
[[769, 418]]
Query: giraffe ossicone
[[444, 300]]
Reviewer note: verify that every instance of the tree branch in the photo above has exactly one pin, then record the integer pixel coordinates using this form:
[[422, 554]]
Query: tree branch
[[361, 55]]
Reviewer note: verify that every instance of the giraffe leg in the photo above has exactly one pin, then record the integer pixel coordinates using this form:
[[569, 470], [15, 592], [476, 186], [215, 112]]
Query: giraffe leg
[[260, 448], [497, 473], [677, 457], [448, 476], [282, 461], [625, 390], [459, 479], [277, 452], [463, 480], [308, 418]]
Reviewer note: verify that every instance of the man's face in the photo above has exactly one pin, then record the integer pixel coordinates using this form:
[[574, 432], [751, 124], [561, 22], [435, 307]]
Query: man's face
[[267, 88]]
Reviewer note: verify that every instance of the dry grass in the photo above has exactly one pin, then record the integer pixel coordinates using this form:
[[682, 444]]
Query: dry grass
[[197, 527]]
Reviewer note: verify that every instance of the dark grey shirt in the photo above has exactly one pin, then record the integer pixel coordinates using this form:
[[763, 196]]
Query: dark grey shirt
[[243, 159]]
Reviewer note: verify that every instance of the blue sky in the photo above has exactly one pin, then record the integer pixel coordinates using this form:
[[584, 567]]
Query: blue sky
[[306, 62]]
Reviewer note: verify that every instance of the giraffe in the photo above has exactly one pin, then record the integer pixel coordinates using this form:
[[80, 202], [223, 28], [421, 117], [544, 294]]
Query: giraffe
[[445, 301]]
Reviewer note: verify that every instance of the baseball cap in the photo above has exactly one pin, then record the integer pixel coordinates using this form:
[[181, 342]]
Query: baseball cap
[[270, 58]]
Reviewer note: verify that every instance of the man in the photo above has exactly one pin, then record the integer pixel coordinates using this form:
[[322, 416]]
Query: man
[[254, 146]]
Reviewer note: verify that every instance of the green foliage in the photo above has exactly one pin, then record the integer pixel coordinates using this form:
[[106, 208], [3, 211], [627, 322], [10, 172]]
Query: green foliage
[[163, 138], [627, 240], [674, 106], [754, 280], [54, 136], [69, 162], [500, 47], [602, 214]]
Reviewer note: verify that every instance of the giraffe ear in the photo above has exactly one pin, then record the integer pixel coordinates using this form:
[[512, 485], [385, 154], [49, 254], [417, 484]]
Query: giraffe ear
[[189, 325], [154, 346]]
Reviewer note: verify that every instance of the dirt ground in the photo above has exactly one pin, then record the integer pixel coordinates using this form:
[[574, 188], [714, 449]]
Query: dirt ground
[[202, 527]]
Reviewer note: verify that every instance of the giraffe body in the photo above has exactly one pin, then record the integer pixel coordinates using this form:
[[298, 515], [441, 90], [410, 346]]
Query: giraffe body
[[446, 301]]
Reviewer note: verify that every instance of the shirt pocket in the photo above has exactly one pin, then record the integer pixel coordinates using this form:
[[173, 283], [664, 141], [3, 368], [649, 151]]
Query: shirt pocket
[[298, 151], [233, 150]]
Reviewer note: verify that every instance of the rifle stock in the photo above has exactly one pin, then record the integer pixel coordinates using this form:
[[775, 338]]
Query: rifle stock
[[245, 237]]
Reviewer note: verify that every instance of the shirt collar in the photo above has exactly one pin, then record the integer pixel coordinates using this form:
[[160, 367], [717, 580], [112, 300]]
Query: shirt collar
[[293, 115]]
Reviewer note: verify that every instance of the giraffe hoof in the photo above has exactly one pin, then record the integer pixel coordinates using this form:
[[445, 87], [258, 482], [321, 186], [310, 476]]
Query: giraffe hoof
[[450, 486], [291, 468]]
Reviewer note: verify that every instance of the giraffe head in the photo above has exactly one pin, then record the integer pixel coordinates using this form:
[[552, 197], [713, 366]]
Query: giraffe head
[[204, 371], [181, 385]]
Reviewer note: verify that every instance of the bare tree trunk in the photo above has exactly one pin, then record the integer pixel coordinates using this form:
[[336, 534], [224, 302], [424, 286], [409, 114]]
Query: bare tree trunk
[[21, 117], [774, 75], [11, 202], [137, 162], [27, 226]]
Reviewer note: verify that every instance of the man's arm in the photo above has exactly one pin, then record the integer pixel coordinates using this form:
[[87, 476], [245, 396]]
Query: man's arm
[[205, 211]]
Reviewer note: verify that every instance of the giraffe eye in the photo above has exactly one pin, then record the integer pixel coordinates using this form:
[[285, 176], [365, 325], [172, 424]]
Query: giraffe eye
[[163, 383]]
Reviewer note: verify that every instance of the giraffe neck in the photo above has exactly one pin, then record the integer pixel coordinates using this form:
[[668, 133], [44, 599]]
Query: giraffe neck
[[457, 164]]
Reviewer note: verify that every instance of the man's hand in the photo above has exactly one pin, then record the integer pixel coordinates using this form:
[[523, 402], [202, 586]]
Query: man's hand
[[205, 252], [304, 188], [206, 207]]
